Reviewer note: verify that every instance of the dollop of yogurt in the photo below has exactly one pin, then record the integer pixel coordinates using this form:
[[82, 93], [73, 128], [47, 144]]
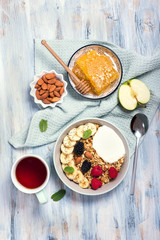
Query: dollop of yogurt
[[108, 144]]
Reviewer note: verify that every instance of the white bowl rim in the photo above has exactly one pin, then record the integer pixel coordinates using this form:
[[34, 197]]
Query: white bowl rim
[[94, 192]]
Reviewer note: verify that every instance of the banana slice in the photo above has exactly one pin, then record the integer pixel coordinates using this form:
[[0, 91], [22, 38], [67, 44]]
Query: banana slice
[[63, 166], [72, 164], [90, 126], [79, 177], [73, 135], [80, 131], [68, 143], [65, 159], [71, 176], [66, 150], [84, 183]]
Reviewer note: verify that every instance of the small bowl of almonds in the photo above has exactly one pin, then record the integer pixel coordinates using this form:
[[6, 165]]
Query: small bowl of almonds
[[48, 88]]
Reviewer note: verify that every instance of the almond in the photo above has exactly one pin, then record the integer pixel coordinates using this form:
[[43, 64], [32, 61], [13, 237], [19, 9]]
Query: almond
[[52, 88], [48, 86], [38, 95], [36, 86], [55, 99], [51, 94], [49, 99], [45, 95], [52, 81], [56, 94], [59, 83], [61, 91], [58, 89], [88, 155], [46, 101], [41, 92], [44, 86], [50, 75], [45, 79], [40, 81], [78, 160]]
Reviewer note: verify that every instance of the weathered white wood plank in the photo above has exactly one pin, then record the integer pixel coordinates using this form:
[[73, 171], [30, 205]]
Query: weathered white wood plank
[[131, 24]]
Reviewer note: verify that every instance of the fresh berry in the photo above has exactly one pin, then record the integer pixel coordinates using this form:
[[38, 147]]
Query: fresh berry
[[85, 166], [79, 148], [96, 171], [113, 172], [96, 183]]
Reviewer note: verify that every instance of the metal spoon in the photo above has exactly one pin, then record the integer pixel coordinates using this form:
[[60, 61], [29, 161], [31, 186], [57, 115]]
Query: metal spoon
[[139, 126]]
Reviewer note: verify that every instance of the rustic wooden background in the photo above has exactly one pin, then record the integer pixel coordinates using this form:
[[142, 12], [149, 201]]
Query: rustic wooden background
[[114, 216]]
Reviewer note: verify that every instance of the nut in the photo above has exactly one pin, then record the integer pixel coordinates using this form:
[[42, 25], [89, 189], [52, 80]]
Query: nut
[[36, 86], [48, 86], [46, 101], [58, 89], [50, 75], [44, 86], [45, 95], [52, 81], [55, 99], [52, 88], [61, 91], [59, 83], [56, 94], [51, 94], [40, 81], [41, 92], [88, 155], [38, 95], [44, 79], [78, 160]]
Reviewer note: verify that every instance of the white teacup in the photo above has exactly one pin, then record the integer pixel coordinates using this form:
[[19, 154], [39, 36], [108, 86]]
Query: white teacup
[[39, 191]]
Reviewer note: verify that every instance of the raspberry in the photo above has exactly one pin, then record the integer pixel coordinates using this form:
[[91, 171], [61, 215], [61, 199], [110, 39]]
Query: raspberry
[[85, 166], [79, 148], [113, 172], [96, 171], [96, 183]]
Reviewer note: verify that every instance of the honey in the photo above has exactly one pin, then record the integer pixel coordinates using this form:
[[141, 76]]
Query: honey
[[97, 69]]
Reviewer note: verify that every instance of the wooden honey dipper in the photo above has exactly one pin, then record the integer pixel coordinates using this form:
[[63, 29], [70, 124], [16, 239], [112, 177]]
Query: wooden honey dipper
[[81, 85]]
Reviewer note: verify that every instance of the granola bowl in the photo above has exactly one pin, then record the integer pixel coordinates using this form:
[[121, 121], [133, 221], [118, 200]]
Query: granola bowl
[[95, 63], [81, 178]]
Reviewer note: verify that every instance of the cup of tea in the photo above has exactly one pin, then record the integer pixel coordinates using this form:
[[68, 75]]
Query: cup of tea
[[30, 174]]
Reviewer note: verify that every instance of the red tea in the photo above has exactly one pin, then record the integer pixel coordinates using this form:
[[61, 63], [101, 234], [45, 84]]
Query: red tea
[[31, 172]]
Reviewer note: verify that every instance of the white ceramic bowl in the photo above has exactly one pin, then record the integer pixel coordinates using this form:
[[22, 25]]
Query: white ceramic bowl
[[72, 185], [104, 51], [33, 89]]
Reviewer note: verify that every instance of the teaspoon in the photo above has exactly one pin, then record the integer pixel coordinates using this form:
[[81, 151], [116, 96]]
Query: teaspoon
[[139, 126]]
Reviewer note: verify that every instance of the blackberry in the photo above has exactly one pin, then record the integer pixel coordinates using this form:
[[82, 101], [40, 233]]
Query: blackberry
[[79, 148], [85, 166]]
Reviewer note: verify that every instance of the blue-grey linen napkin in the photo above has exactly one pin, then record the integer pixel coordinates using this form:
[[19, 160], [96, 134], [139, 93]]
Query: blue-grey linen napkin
[[75, 107]]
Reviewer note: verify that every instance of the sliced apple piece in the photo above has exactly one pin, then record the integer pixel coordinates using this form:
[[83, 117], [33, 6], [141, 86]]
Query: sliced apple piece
[[133, 93], [126, 98], [141, 90]]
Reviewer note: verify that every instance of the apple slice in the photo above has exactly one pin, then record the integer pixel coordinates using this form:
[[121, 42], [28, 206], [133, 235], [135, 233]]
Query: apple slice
[[133, 93]]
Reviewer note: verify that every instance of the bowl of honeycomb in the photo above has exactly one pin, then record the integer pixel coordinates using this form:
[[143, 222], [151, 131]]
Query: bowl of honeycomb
[[100, 67]]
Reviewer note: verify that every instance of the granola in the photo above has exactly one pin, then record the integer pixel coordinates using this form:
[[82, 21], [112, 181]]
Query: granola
[[80, 154]]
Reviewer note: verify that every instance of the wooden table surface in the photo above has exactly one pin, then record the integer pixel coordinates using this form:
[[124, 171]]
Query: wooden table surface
[[113, 216]]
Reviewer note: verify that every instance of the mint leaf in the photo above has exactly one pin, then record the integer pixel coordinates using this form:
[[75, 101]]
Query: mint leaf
[[43, 125], [58, 195], [87, 134], [69, 169]]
